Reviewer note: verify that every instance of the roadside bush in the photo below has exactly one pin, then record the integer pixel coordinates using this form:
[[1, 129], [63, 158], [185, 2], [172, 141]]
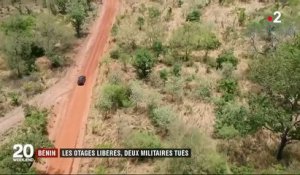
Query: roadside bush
[[162, 117], [115, 54], [193, 16], [36, 119], [226, 57], [32, 88], [205, 159], [142, 139], [57, 61], [113, 97]]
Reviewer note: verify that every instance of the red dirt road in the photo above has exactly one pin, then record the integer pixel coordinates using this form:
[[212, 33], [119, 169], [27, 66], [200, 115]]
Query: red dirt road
[[72, 113]]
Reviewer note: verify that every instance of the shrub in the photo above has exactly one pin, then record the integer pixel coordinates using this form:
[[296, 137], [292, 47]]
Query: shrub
[[144, 63], [193, 16], [205, 159], [242, 16], [101, 170], [114, 97], [163, 75], [31, 132], [57, 61], [229, 88], [175, 88], [32, 88], [203, 92], [137, 93], [226, 57], [157, 48], [177, 69], [15, 98], [115, 54], [155, 80], [36, 119], [115, 77], [230, 114], [162, 117], [142, 139]]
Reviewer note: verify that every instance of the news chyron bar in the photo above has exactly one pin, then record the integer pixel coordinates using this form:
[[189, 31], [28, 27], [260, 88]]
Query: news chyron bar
[[68, 153]]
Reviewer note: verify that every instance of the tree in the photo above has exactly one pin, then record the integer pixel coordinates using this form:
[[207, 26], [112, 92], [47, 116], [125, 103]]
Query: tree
[[192, 37], [277, 108], [144, 63], [52, 35], [280, 76], [77, 14], [18, 43]]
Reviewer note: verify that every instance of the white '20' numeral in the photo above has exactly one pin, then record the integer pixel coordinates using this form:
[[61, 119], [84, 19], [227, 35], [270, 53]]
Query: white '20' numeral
[[277, 15], [20, 149]]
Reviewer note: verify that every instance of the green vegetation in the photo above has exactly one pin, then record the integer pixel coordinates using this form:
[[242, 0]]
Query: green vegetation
[[162, 117], [77, 15], [142, 139], [226, 57], [204, 158], [114, 96], [144, 63], [192, 37], [240, 100], [33, 131], [193, 16]]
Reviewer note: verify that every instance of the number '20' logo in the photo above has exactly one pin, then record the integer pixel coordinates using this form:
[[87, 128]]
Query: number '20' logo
[[23, 151]]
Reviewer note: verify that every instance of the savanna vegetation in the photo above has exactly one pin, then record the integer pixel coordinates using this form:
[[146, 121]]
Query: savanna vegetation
[[214, 76], [37, 37]]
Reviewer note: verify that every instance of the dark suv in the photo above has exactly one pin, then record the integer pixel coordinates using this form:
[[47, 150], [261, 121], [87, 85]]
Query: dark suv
[[81, 80]]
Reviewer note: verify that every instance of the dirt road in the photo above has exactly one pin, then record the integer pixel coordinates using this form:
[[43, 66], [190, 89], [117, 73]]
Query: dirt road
[[73, 114]]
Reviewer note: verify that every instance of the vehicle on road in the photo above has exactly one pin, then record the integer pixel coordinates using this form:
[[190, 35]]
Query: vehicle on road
[[81, 80]]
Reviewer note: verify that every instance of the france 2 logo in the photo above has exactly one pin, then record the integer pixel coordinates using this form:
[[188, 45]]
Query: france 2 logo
[[23, 153]]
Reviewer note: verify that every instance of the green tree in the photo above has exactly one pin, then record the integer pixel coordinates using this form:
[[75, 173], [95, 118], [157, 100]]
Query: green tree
[[279, 110], [144, 63], [277, 107], [52, 35], [192, 37], [18, 44], [77, 14]]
